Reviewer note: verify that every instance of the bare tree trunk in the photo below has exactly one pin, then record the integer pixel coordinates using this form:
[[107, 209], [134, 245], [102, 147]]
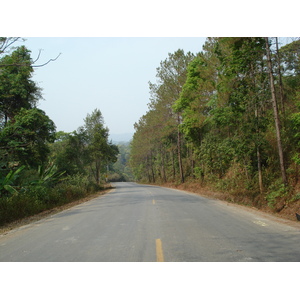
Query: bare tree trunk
[[258, 153], [276, 115], [152, 171], [260, 180], [153, 175], [281, 92], [148, 164], [163, 166], [173, 165], [179, 151], [193, 167], [259, 168], [98, 166], [96, 172]]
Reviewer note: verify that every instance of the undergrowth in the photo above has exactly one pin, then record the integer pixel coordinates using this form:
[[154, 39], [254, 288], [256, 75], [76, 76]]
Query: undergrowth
[[37, 198]]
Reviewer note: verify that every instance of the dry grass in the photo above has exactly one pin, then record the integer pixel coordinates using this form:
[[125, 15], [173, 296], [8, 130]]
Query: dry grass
[[288, 209]]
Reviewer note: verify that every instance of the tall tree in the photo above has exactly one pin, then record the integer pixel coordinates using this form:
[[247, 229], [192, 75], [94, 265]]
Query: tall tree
[[246, 66], [220, 102], [100, 151], [171, 77], [17, 89], [276, 114], [279, 64]]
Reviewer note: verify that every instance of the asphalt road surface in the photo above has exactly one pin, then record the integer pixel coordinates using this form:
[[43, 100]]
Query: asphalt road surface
[[143, 223]]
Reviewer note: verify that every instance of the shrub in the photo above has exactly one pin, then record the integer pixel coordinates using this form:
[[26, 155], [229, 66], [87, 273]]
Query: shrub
[[37, 198], [277, 191]]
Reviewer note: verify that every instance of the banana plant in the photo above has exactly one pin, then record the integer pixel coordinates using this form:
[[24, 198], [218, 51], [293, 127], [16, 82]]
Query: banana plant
[[7, 182], [47, 174]]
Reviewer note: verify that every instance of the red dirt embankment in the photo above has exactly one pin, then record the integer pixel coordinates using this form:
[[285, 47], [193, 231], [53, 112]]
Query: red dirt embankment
[[283, 209]]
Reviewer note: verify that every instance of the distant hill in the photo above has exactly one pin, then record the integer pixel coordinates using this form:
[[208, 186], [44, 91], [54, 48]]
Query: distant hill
[[120, 137]]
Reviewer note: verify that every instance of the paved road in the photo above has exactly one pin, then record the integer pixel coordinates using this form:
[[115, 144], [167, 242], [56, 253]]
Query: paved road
[[142, 223]]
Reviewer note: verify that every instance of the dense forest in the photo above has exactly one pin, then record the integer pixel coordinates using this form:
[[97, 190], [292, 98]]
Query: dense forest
[[226, 118], [39, 167]]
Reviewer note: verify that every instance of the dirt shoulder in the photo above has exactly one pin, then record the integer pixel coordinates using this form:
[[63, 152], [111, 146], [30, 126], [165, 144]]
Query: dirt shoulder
[[4, 229], [288, 212]]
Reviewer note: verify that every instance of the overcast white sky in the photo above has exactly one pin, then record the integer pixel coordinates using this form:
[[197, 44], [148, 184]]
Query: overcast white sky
[[110, 74]]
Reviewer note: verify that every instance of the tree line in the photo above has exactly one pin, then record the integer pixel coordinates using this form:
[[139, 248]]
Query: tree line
[[39, 167], [227, 117]]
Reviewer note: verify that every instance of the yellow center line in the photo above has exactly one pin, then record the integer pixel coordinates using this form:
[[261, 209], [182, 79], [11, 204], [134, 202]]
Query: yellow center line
[[153, 201], [159, 251]]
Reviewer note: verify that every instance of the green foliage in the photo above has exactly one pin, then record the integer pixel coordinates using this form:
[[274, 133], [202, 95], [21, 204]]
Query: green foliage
[[157, 147], [277, 191], [194, 99], [26, 138], [86, 151], [28, 184], [216, 155], [296, 197], [295, 126], [48, 175], [120, 170], [218, 120], [100, 152], [291, 56], [70, 154], [7, 183], [25, 131], [17, 90], [37, 198]]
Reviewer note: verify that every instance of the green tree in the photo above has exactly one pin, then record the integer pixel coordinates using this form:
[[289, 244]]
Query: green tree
[[171, 76], [69, 152], [99, 149], [141, 156], [17, 89], [221, 103], [25, 140], [87, 150], [224, 114], [276, 114]]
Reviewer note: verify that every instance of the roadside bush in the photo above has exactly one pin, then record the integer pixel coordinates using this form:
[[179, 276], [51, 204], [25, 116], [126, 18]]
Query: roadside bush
[[37, 198], [17, 207], [277, 191]]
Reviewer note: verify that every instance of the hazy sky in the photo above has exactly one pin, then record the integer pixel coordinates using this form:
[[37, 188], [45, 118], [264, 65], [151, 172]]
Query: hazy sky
[[110, 74]]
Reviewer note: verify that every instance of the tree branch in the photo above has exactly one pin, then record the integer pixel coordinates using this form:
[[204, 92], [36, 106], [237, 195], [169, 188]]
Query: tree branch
[[48, 61], [29, 64], [40, 51], [7, 43], [13, 147]]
